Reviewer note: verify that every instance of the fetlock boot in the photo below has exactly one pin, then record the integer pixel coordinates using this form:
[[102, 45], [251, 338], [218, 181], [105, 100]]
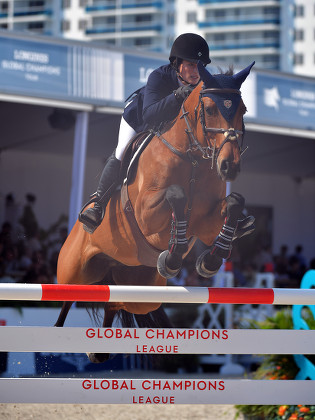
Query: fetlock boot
[[92, 217]]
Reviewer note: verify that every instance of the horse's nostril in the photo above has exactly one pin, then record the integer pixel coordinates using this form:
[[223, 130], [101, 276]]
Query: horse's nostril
[[224, 165]]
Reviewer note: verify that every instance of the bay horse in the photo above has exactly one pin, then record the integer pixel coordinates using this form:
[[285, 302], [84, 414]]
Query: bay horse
[[178, 194]]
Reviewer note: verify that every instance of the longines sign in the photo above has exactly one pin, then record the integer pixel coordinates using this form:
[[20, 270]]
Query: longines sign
[[88, 74]]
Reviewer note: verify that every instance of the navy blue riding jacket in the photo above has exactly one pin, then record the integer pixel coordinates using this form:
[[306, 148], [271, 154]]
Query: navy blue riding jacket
[[155, 102]]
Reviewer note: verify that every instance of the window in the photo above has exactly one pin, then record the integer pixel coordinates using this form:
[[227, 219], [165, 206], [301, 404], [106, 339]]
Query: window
[[66, 4], [219, 13], [4, 6], [269, 10], [139, 42], [65, 26], [298, 59], [191, 17], [36, 25], [298, 11], [298, 35], [219, 37], [143, 18], [82, 24], [36, 3], [170, 19]]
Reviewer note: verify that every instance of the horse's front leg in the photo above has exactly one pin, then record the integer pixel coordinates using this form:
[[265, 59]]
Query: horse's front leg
[[170, 261], [209, 262]]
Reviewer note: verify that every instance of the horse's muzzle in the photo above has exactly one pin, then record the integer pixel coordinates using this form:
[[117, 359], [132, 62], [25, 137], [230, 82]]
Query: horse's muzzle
[[227, 170]]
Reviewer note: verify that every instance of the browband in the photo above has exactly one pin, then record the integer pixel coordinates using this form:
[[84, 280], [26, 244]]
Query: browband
[[220, 91]]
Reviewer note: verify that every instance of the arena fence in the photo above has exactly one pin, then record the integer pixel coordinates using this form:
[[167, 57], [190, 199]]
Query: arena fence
[[163, 294], [155, 341]]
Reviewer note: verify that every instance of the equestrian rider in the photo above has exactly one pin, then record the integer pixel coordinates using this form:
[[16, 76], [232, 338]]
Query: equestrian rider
[[159, 101]]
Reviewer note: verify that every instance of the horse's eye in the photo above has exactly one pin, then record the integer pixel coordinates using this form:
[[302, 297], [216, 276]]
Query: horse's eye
[[211, 110]]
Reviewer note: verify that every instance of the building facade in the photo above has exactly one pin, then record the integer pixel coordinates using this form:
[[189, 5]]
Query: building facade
[[277, 34]]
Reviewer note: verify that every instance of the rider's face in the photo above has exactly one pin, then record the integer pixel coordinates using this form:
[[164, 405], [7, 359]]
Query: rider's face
[[189, 72]]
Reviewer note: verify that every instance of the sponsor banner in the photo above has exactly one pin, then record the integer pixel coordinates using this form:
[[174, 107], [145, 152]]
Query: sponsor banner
[[285, 101], [155, 391], [62, 72], [152, 341], [137, 71]]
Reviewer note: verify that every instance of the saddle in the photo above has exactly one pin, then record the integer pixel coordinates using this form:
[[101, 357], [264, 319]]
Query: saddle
[[132, 154]]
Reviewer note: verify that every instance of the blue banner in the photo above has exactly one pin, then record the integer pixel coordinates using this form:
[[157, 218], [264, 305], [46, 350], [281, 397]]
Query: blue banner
[[63, 72], [137, 71], [285, 101]]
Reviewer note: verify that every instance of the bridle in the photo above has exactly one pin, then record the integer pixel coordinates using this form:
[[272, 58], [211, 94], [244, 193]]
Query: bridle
[[210, 151], [207, 152]]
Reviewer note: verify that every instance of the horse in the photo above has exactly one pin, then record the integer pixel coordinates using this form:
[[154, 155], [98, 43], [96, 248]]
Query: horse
[[176, 195]]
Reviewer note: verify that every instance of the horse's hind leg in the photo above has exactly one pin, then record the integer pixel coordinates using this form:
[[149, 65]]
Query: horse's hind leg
[[209, 262], [109, 315], [63, 314], [170, 261]]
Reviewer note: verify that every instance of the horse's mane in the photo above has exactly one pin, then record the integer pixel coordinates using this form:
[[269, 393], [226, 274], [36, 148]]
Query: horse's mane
[[228, 72]]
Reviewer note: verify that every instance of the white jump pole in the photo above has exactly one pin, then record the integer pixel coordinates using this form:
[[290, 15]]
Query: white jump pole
[[156, 391], [159, 294], [156, 341]]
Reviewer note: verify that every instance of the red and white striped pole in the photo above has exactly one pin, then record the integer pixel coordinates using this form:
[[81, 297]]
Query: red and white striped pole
[[163, 294]]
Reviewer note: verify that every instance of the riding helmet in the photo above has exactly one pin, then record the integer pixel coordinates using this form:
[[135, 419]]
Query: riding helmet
[[190, 47]]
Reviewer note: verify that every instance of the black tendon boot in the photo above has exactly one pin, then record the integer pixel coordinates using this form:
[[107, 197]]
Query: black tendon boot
[[92, 217]]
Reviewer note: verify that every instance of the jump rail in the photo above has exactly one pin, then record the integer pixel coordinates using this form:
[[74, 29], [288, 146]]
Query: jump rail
[[156, 341], [155, 391], [159, 294]]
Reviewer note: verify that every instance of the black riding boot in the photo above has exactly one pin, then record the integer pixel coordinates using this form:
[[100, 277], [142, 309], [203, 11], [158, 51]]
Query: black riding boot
[[92, 217]]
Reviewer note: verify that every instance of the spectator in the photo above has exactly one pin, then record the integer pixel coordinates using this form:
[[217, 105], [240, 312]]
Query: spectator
[[295, 272], [33, 243], [282, 261], [299, 255], [6, 234], [39, 271], [263, 258], [28, 219], [10, 260], [12, 214]]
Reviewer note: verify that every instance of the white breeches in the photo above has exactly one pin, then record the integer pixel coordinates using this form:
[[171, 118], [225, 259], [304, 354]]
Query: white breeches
[[126, 133]]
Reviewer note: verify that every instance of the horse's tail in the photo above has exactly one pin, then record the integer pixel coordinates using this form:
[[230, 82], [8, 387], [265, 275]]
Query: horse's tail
[[154, 319]]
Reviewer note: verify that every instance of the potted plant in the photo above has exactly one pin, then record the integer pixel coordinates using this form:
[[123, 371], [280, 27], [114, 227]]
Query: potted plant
[[278, 367]]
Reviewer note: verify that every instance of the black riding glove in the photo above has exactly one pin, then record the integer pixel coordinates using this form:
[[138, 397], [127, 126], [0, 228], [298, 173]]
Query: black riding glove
[[182, 92]]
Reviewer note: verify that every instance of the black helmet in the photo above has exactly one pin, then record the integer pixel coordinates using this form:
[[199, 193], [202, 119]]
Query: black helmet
[[190, 47]]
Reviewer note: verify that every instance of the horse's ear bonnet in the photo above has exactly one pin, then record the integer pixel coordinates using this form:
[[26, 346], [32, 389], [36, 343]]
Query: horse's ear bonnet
[[225, 101]]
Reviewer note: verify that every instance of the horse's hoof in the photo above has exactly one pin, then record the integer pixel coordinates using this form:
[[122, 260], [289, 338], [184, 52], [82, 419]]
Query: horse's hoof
[[244, 227], [98, 357], [213, 264], [162, 268]]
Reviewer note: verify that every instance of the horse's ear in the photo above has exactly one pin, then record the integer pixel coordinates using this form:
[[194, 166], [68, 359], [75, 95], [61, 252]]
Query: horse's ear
[[207, 78], [241, 76]]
